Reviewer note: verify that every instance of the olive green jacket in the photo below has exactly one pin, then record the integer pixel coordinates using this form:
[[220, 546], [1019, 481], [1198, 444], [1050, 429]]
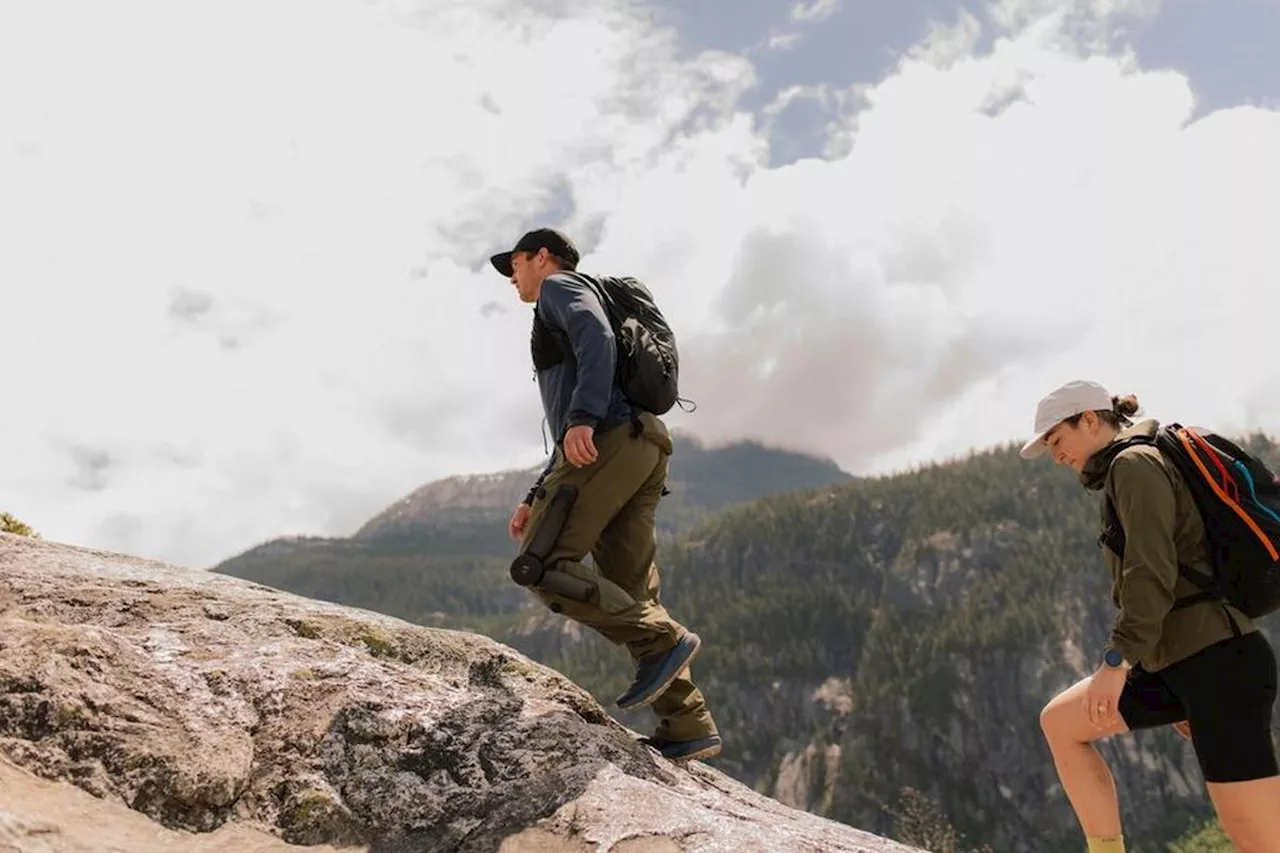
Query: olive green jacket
[[1162, 529]]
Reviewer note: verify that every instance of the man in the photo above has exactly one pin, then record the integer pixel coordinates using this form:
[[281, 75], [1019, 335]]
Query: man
[[616, 456]]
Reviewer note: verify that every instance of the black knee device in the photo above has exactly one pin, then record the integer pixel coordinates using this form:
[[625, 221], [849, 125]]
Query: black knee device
[[529, 567]]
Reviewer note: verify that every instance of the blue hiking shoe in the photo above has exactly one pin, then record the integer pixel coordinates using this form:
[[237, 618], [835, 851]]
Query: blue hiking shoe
[[655, 672], [685, 750]]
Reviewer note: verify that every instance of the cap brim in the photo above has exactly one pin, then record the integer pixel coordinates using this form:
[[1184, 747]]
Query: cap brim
[[1035, 447], [502, 263]]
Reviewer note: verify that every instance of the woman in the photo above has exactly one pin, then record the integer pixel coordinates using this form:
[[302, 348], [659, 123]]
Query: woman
[[1203, 668]]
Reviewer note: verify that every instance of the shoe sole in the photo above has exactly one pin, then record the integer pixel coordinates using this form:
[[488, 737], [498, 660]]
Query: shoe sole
[[706, 752], [662, 688], [709, 751]]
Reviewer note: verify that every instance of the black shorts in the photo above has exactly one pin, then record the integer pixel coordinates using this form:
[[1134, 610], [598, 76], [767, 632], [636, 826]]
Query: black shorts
[[1225, 692]]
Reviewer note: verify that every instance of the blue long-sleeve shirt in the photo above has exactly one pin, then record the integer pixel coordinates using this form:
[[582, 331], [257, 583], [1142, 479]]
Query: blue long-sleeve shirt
[[583, 388]]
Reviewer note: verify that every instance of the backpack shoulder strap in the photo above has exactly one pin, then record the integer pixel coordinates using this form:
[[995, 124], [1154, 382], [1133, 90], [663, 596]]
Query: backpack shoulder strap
[[1112, 536], [600, 286]]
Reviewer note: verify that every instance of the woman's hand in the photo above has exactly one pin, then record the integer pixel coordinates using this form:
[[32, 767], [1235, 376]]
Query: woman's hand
[[1102, 698]]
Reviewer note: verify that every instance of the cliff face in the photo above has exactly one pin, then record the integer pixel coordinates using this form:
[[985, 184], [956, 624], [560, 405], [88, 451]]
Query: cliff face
[[905, 632], [859, 639], [186, 710]]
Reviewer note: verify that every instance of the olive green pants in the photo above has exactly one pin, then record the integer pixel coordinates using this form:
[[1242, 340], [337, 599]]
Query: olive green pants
[[613, 520]]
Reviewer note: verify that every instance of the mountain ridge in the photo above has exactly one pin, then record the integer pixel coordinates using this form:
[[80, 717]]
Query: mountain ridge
[[466, 514]]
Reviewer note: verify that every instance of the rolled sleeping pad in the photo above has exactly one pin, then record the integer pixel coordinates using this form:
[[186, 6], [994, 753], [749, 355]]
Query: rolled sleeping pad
[[529, 569]]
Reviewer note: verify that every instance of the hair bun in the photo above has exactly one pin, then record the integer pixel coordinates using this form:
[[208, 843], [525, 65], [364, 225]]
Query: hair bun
[[1126, 405]]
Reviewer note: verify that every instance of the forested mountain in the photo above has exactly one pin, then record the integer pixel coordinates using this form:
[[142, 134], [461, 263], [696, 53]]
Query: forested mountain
[[860, 639], [440, 555]]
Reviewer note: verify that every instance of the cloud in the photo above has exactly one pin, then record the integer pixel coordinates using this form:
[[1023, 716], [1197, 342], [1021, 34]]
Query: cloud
[[1094, 24], [804, 14], [813, 11], [948, 43], [817, 106], [250, 298], [1001, 219], [781, 41], [244, 247]]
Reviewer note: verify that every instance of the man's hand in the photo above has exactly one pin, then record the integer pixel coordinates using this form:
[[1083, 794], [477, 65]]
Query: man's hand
[[519, 519], [1102, 697], [579, 447]]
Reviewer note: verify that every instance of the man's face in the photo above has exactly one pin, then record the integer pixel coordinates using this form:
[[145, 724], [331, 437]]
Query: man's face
[[527, 273]]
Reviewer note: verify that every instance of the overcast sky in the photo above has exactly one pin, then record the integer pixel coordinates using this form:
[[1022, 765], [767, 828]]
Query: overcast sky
[[243, 288]]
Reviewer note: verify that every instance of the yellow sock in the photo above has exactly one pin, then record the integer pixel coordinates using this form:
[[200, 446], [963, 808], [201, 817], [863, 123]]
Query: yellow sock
[[1107, 844]]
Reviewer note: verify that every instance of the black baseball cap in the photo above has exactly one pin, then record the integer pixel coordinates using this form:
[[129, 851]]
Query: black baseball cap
[[539, 238]]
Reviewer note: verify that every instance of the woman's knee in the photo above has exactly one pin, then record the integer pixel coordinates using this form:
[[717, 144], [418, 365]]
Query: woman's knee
[[1047, 719], [1064, 720], [1055, 718]]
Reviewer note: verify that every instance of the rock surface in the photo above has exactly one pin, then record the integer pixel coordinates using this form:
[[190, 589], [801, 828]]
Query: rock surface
[[237, 717], [38, 816]]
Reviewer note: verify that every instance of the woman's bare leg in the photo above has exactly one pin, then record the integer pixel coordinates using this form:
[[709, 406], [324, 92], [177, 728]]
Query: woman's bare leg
[[1249, 813], [1085, 777]]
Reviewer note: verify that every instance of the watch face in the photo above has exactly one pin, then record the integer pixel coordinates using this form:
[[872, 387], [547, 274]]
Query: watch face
[[1113, 657]]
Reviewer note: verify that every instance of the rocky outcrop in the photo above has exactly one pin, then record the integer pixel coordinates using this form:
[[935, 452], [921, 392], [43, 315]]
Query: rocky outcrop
[[214, 709], [39, 816]]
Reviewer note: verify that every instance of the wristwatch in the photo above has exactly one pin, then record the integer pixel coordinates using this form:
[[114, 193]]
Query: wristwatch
[[1114, 658]]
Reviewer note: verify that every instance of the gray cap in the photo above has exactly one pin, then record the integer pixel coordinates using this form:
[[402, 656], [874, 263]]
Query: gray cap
[[1071, 399]]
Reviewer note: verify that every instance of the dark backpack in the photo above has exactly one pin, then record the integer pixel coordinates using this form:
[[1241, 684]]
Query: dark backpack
[[1239, 501], [648, 363]]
